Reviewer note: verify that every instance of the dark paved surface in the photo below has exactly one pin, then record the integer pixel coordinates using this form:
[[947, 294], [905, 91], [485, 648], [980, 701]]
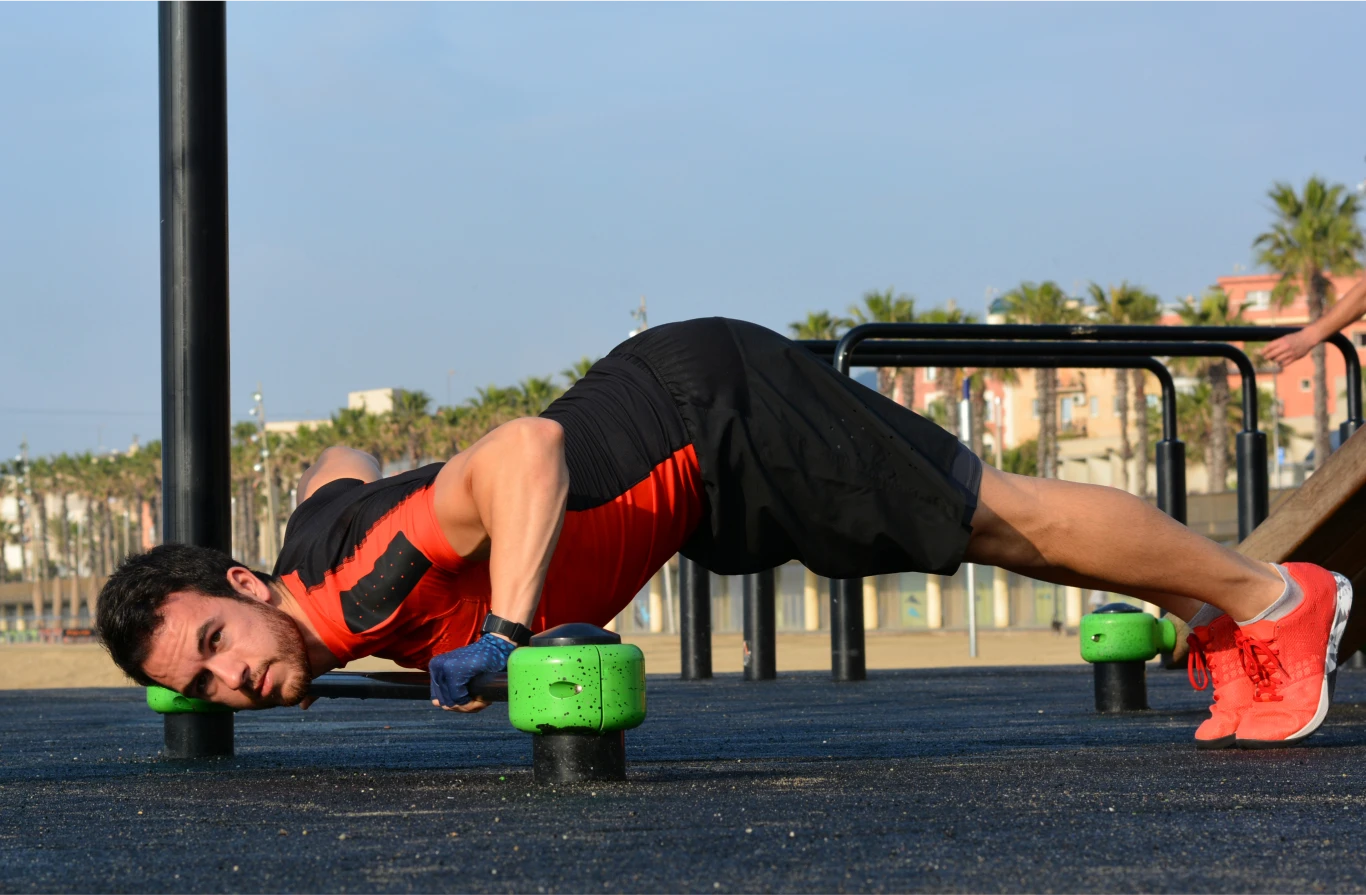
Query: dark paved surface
[[982, 780]]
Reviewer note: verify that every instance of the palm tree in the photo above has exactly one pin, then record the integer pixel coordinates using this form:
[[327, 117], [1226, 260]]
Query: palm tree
[[1111, 305], [819, 325], [1143, 308], [949, 380], [407, 424], [577, 370], [1044, 303], [362, 430], [1314, 235], [244, 460], [889, 307], [1213, 309], [9, 532], [535, 394], [38, 477]]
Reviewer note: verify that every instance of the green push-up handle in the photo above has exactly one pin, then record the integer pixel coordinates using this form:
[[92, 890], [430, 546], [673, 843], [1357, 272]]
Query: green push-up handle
[[597, 687], [1123, 633], [169, 702]]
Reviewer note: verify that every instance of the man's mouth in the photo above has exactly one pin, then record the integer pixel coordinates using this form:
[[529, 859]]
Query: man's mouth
[[264, 687]]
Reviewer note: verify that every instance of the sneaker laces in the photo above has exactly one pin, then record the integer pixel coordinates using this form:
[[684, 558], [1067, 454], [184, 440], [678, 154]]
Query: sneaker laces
[[1197, 665], [1262, 663]]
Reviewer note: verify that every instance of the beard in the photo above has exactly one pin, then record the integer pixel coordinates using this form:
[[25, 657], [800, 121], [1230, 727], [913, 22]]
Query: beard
[[289, 666]]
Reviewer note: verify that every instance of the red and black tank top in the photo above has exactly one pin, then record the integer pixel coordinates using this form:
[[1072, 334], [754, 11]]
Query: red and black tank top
[[372, 569]]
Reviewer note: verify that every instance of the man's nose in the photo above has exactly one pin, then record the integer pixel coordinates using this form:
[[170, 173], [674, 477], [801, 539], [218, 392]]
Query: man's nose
[[234, 673]]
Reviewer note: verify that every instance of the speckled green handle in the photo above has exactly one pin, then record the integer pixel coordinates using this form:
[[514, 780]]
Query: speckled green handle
[[1125, 637], [598, 688], [169, 702]]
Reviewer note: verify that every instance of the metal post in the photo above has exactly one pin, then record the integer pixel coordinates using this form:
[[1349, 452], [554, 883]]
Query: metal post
[[847, 662], [1253, 499], [694, 619], [760, 640], [194, 303], [1171, 478]]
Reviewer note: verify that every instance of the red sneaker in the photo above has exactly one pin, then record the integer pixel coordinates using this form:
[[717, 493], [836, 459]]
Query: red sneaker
[[1214, 658], [1292, 662]]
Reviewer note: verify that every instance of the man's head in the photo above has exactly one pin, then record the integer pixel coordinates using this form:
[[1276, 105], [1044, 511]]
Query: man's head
[[199, 622]]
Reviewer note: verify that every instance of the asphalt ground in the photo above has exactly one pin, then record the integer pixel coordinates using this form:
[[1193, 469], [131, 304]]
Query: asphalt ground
[[941, 780]]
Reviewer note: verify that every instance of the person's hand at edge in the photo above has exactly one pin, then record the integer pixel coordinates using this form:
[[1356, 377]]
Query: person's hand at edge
[[1288, 349]]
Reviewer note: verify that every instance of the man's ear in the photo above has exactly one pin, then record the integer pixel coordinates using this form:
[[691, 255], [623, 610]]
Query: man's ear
[[245, 582]]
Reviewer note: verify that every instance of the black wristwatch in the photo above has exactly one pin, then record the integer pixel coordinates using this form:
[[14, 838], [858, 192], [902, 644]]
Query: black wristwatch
[[518, 634]]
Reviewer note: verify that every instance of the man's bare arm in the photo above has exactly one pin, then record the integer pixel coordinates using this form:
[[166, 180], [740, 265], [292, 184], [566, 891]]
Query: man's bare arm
[[337, 463], [1350, 307], [508, 493]]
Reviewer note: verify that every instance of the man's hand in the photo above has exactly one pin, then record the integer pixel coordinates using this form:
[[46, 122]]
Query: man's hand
[[1288, 349], [451, 672]]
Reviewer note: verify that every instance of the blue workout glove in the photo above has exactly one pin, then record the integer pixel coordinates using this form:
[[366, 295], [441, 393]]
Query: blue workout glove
[[451, 672]]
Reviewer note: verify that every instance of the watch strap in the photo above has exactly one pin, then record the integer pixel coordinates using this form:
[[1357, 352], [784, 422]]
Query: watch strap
[[517, 633]]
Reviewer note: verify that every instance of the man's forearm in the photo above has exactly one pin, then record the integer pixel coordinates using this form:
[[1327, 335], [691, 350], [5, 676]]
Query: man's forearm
[[1347, 309]]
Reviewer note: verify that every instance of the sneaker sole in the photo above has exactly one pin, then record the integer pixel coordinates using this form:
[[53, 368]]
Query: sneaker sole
[[1220, 743], [1330, 673]]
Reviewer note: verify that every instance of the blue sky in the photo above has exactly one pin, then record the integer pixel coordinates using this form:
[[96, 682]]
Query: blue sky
[[491, 188]]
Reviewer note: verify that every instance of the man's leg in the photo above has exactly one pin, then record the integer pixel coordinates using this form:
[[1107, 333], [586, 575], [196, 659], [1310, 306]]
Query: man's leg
[[1095, 537], [1272, 666]]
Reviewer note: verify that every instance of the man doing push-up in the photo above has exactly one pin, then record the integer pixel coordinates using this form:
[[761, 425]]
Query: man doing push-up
[[736, 447]]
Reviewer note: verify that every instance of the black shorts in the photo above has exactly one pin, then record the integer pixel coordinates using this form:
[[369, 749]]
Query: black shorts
[[800, 462]]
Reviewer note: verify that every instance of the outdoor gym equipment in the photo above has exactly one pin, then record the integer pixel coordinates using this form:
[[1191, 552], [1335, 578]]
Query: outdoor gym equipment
[[1119, 639], [576, 689]]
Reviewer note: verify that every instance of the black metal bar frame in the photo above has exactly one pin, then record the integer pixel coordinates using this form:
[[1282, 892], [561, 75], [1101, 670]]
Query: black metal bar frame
[[846, 598], [761, 630], [694, 619], [195, 412], [1253, 481], [876, 354], [398, 685], [1108, 333]]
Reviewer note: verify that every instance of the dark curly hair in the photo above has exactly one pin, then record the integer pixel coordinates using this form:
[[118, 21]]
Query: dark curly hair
[[129, 609]]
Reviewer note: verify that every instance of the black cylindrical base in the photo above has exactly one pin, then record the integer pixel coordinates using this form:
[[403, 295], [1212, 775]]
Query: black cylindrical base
[[694, 619], [761, 643], [1121, 687], [847, 662], [191, 735], [573, 757], [1253, 482]]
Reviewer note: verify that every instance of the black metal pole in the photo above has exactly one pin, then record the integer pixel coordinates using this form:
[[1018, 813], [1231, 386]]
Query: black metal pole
[[760, 595], [1352, 363], [1253, 501], [1171, 478], [694, 619], [847, 660], [194, 305]]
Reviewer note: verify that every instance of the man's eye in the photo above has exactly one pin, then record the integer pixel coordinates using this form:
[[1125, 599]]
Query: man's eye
[[216, 638]]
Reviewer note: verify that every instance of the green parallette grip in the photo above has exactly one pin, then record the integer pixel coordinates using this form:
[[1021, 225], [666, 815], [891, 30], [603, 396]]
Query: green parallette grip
[[1123, 633], [598, 688], [169, 702]]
